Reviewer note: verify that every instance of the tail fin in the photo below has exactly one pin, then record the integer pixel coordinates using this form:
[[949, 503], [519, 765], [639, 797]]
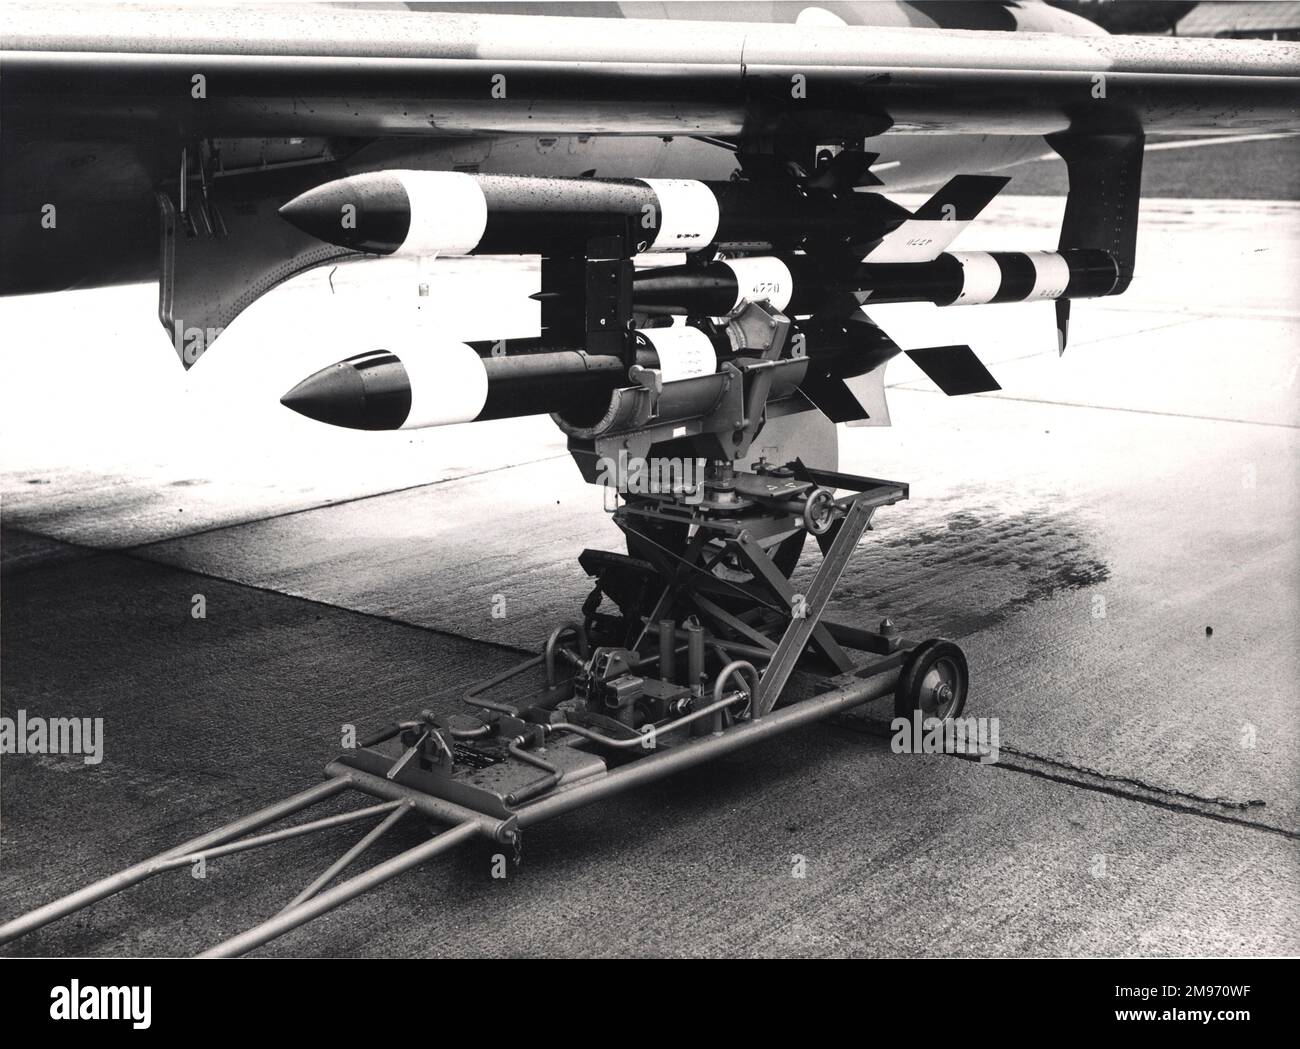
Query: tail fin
[[937, 222], [858, 400], [954, 369]]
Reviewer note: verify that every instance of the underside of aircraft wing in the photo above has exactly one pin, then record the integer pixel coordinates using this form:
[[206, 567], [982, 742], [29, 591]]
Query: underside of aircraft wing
[[321, 71]]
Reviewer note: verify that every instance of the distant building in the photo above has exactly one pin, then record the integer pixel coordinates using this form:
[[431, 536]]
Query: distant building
[[1243, 19]]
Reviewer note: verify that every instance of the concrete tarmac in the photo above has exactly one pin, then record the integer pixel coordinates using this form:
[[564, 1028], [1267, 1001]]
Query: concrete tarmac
[[1111, 538]]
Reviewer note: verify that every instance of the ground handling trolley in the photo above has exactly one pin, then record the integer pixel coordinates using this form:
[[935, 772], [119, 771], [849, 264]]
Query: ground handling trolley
[[687, 650]]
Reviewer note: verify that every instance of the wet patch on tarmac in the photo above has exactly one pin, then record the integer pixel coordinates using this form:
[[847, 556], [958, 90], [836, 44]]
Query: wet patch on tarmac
[[982, 564]]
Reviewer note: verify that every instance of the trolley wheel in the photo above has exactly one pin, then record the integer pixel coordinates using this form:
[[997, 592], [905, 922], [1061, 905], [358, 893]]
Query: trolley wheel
[[934, 680]]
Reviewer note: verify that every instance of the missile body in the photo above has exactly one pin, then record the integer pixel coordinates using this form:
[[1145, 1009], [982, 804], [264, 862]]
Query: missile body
[[437, 385], [802, 285], [451, 383], [453, 213]]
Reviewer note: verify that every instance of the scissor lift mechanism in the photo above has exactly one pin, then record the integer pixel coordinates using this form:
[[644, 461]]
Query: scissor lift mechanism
[[615, 703]]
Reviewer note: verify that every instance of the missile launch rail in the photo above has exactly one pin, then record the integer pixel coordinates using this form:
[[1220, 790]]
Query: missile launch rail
[[693, 645]]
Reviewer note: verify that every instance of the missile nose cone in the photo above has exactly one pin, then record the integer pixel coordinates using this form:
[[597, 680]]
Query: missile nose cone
[[371, 391], [335, 395], [313, 212], [369, 213]]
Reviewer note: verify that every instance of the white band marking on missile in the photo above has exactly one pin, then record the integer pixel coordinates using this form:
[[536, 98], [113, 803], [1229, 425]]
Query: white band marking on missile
[[981, 277], [448, 213], [688, 214], [916, 240], [448, 384], [763, 277], [1051, 275], [684, 352]]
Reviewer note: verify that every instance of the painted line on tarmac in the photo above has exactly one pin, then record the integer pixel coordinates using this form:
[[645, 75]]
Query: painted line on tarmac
[[1128, 789]]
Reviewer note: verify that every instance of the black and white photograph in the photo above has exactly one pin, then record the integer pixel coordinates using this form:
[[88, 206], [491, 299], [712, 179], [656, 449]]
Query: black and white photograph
[[651, 480]]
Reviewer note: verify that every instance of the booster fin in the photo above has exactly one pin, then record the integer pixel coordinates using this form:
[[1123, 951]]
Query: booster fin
[[939, 221]]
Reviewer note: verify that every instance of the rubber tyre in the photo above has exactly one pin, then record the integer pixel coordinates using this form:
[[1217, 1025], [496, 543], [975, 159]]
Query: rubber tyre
[[936, 661]]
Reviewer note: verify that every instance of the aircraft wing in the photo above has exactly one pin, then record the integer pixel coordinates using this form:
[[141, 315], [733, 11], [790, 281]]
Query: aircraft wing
[[317, 71]]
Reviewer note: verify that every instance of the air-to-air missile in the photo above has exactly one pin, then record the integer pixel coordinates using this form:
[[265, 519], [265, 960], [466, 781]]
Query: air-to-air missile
[[804, 284], [901, 253], [423, 213], [436, 385]]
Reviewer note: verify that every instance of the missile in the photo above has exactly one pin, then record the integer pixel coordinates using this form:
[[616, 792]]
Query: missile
[[423, 213], [803, 285], [443, 384]]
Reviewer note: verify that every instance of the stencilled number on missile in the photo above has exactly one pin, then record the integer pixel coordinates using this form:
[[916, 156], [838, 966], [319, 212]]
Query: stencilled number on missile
[[649, 217], [798, 86], [348, 218], [948, 213], [498, 85], [49, 216], [198, 86], [499, 348], [766, 288]]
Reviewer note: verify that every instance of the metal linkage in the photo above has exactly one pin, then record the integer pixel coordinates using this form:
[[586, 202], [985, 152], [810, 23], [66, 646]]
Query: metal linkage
[[738, 536], [237, 837], [301, 913]]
